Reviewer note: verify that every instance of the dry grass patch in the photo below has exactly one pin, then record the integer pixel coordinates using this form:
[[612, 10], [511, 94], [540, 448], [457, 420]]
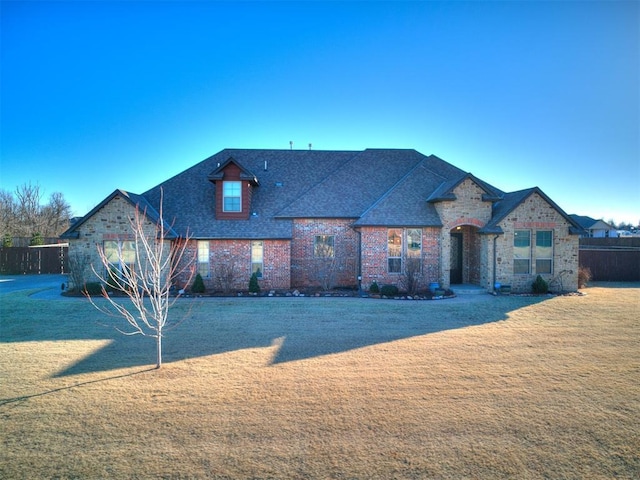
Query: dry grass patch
[[328, 388]]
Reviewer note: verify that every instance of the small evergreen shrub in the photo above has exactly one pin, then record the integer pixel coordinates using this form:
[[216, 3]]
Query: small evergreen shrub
[[584, 276], [389, 290], [92, 288], [7, 240], [540, 285], [374, 288], [36, 239], [198, 284], [254, 286]]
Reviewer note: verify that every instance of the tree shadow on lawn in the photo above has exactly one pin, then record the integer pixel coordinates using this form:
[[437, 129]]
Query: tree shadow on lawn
[[301, 328]]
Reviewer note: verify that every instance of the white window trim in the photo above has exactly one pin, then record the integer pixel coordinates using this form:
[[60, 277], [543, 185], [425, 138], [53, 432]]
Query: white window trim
[[239, 196]]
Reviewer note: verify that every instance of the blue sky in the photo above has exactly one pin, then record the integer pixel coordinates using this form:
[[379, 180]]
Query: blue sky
[[103, 95]]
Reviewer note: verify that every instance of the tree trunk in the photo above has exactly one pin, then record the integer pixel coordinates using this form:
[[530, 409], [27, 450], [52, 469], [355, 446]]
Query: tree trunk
[[159, 350]]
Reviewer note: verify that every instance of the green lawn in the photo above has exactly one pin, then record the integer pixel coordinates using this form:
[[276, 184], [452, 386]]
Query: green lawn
[[506, 387]]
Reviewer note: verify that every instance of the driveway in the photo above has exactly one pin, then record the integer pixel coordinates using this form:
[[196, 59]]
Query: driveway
[[49, 284]]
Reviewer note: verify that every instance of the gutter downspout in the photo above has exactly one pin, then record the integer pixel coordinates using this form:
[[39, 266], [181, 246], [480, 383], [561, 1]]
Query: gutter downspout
[[359, 260], [493, 285]]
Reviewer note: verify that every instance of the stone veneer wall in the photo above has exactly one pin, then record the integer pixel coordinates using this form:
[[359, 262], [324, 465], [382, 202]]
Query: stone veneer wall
[[374, 257], [536, 214], [304, 266], [111, 222], [468, 209]]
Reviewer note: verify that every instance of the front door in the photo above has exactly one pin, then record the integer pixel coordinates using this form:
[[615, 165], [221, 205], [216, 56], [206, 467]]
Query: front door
[[455, 274]]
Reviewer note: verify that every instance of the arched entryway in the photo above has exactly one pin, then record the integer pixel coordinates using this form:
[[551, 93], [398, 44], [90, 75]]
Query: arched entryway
[[464, 259]]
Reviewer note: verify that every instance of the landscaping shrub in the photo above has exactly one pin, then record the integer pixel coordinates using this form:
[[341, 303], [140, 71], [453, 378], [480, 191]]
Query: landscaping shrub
[[198, 284], [92, 288], [7, 240], [374, 288], [389, 290], [254, 286], [540, 285], [584, 276]]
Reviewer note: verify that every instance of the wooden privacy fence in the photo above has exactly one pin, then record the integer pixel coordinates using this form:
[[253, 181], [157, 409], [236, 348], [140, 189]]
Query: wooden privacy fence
[[29, 260], [611, 259]]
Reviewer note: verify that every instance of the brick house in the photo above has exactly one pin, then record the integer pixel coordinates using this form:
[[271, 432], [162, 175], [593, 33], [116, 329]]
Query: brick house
[[336, 218]]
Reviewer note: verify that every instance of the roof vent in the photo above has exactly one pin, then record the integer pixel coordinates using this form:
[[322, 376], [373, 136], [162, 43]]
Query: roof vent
[[265, 165], [279, 184]]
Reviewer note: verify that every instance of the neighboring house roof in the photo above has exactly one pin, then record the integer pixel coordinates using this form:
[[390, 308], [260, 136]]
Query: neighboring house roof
[[374, 187], [137, 201], [589, 223]]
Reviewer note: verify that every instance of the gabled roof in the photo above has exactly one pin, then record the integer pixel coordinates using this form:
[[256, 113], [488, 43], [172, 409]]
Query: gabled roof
[[283, 176], [510, 201], [245, 174], [136, 201], [404, 204], [589, 223], [444, 191], [373, 187]]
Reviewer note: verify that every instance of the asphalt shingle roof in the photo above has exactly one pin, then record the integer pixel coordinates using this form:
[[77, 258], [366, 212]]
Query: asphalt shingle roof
[[374, 187]]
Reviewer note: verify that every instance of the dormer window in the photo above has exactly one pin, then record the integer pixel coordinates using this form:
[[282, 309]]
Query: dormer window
[[231, 196], [234, 190]]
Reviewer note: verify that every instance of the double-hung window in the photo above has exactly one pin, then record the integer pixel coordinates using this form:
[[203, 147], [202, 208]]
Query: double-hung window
[[121, 256], [257, 257], [414, 243], [232, 196], [203, 258], [404, 250], [544, 251], [394, 250], [522, 252], [323, 246]]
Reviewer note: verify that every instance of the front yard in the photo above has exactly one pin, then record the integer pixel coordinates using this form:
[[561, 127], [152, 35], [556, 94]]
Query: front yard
[[506, 387]]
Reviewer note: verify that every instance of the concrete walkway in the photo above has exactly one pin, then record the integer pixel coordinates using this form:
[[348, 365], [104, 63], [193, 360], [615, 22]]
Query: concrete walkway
[[50, 286]]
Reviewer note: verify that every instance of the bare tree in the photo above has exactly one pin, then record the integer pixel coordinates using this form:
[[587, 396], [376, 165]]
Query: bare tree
[[7, 212], [147, 279], [410, 281], [23, 215], [79, 269], [55, 215], [28, 209], [224, 275], [326, 264]]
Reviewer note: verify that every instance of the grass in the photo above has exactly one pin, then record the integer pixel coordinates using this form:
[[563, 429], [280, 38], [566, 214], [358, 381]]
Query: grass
[[506, 387]]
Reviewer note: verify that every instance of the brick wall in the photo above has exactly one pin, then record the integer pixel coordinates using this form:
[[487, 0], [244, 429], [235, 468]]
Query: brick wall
[[374, 257], [230, 264], [306, 269]]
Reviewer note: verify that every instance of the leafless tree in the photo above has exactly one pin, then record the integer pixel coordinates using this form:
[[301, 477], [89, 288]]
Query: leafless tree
[[55, 215], [23, 215], [148, 280], [28, 209], [326, 265], [7, 212], [79, 269], [224, 275], [410, 281]]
